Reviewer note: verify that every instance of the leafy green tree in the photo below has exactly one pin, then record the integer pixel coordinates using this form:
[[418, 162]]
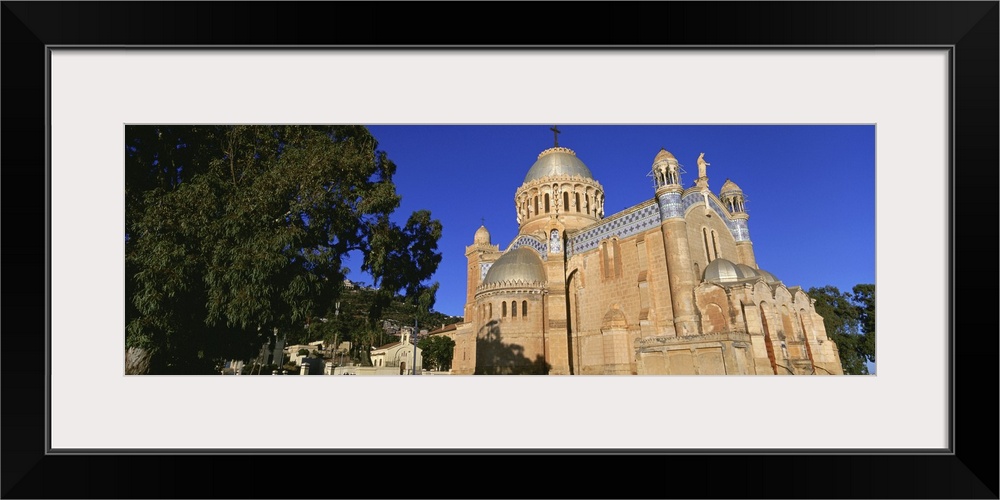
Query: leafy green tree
[[232, 231], [849, 319], [437, 352]]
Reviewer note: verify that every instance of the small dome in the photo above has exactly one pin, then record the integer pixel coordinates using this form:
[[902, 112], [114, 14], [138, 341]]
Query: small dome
[[557, 161], [768, 277], [730, 187], [482, 236], [664, 155], [521, 264], [724, 271], [748, 272]]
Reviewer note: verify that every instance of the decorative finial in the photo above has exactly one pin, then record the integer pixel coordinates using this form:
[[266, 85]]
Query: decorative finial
[[555, 133]]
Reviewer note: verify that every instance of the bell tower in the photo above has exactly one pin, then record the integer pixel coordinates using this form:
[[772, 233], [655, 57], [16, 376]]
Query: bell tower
[[680, 272], [480, 255]]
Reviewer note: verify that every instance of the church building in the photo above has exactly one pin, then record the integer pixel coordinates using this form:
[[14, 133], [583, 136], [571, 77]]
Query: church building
[[666, 287]]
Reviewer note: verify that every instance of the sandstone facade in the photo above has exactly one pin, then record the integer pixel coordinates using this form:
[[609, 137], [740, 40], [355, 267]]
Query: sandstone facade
[[668, 286]]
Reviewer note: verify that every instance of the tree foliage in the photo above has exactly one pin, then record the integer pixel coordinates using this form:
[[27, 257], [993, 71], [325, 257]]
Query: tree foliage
[[437, 352], [849, 319], [232, 231]]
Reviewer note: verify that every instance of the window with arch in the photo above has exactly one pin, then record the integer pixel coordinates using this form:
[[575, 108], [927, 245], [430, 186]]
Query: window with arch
[[708, 251], [524, 308], [513, 308], [503, 309], [546, 202], [577, 201], [536, 204], [611, 258], [715, 246], [565, 201], [604, 257], [489, 310]]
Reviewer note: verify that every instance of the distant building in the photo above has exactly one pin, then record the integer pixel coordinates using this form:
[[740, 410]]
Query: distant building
[[668, 286], [398, 354]]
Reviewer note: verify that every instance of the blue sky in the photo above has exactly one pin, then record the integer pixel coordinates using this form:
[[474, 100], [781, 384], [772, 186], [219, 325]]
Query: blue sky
[[810, 188]]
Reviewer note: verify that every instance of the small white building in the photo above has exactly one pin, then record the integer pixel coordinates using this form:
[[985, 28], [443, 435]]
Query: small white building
[[292, 352], [398, 354]]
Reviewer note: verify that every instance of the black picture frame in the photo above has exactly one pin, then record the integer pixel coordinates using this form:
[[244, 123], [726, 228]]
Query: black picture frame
[[969, 28]]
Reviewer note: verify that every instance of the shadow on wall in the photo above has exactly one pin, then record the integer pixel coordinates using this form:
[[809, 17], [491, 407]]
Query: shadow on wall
[[493, 357]]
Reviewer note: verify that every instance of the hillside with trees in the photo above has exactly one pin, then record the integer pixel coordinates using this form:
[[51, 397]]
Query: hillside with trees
[[232, 232], [849, 318], [351, 322]]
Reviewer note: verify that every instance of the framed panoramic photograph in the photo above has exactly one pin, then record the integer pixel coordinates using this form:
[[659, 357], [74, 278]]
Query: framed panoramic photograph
[[647, 234], [594, 273]]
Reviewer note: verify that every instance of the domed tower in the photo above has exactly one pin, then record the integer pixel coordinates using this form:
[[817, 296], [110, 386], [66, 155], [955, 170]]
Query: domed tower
[[733, 199], [482, 236], [666, 170], [558, 190], [680, 268], [481, 254]]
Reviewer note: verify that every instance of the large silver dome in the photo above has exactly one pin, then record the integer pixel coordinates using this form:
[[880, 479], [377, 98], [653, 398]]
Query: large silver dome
[[557, 161], [521, 264]]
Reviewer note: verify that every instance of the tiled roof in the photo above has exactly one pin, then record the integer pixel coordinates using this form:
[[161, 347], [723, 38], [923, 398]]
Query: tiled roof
[[453, 326]]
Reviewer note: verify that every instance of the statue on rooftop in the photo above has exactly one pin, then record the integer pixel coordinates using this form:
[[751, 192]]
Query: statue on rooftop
[[702, 164]]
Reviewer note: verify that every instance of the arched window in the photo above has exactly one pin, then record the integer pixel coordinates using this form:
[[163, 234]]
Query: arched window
[[513, 308], [489, 309], [617, 258], [565, 201], [503, 309], [524, 308], [536, 204], [606, 258], [708, 254], [546, 202], [577, 201], [611, 258], [715, 246]]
